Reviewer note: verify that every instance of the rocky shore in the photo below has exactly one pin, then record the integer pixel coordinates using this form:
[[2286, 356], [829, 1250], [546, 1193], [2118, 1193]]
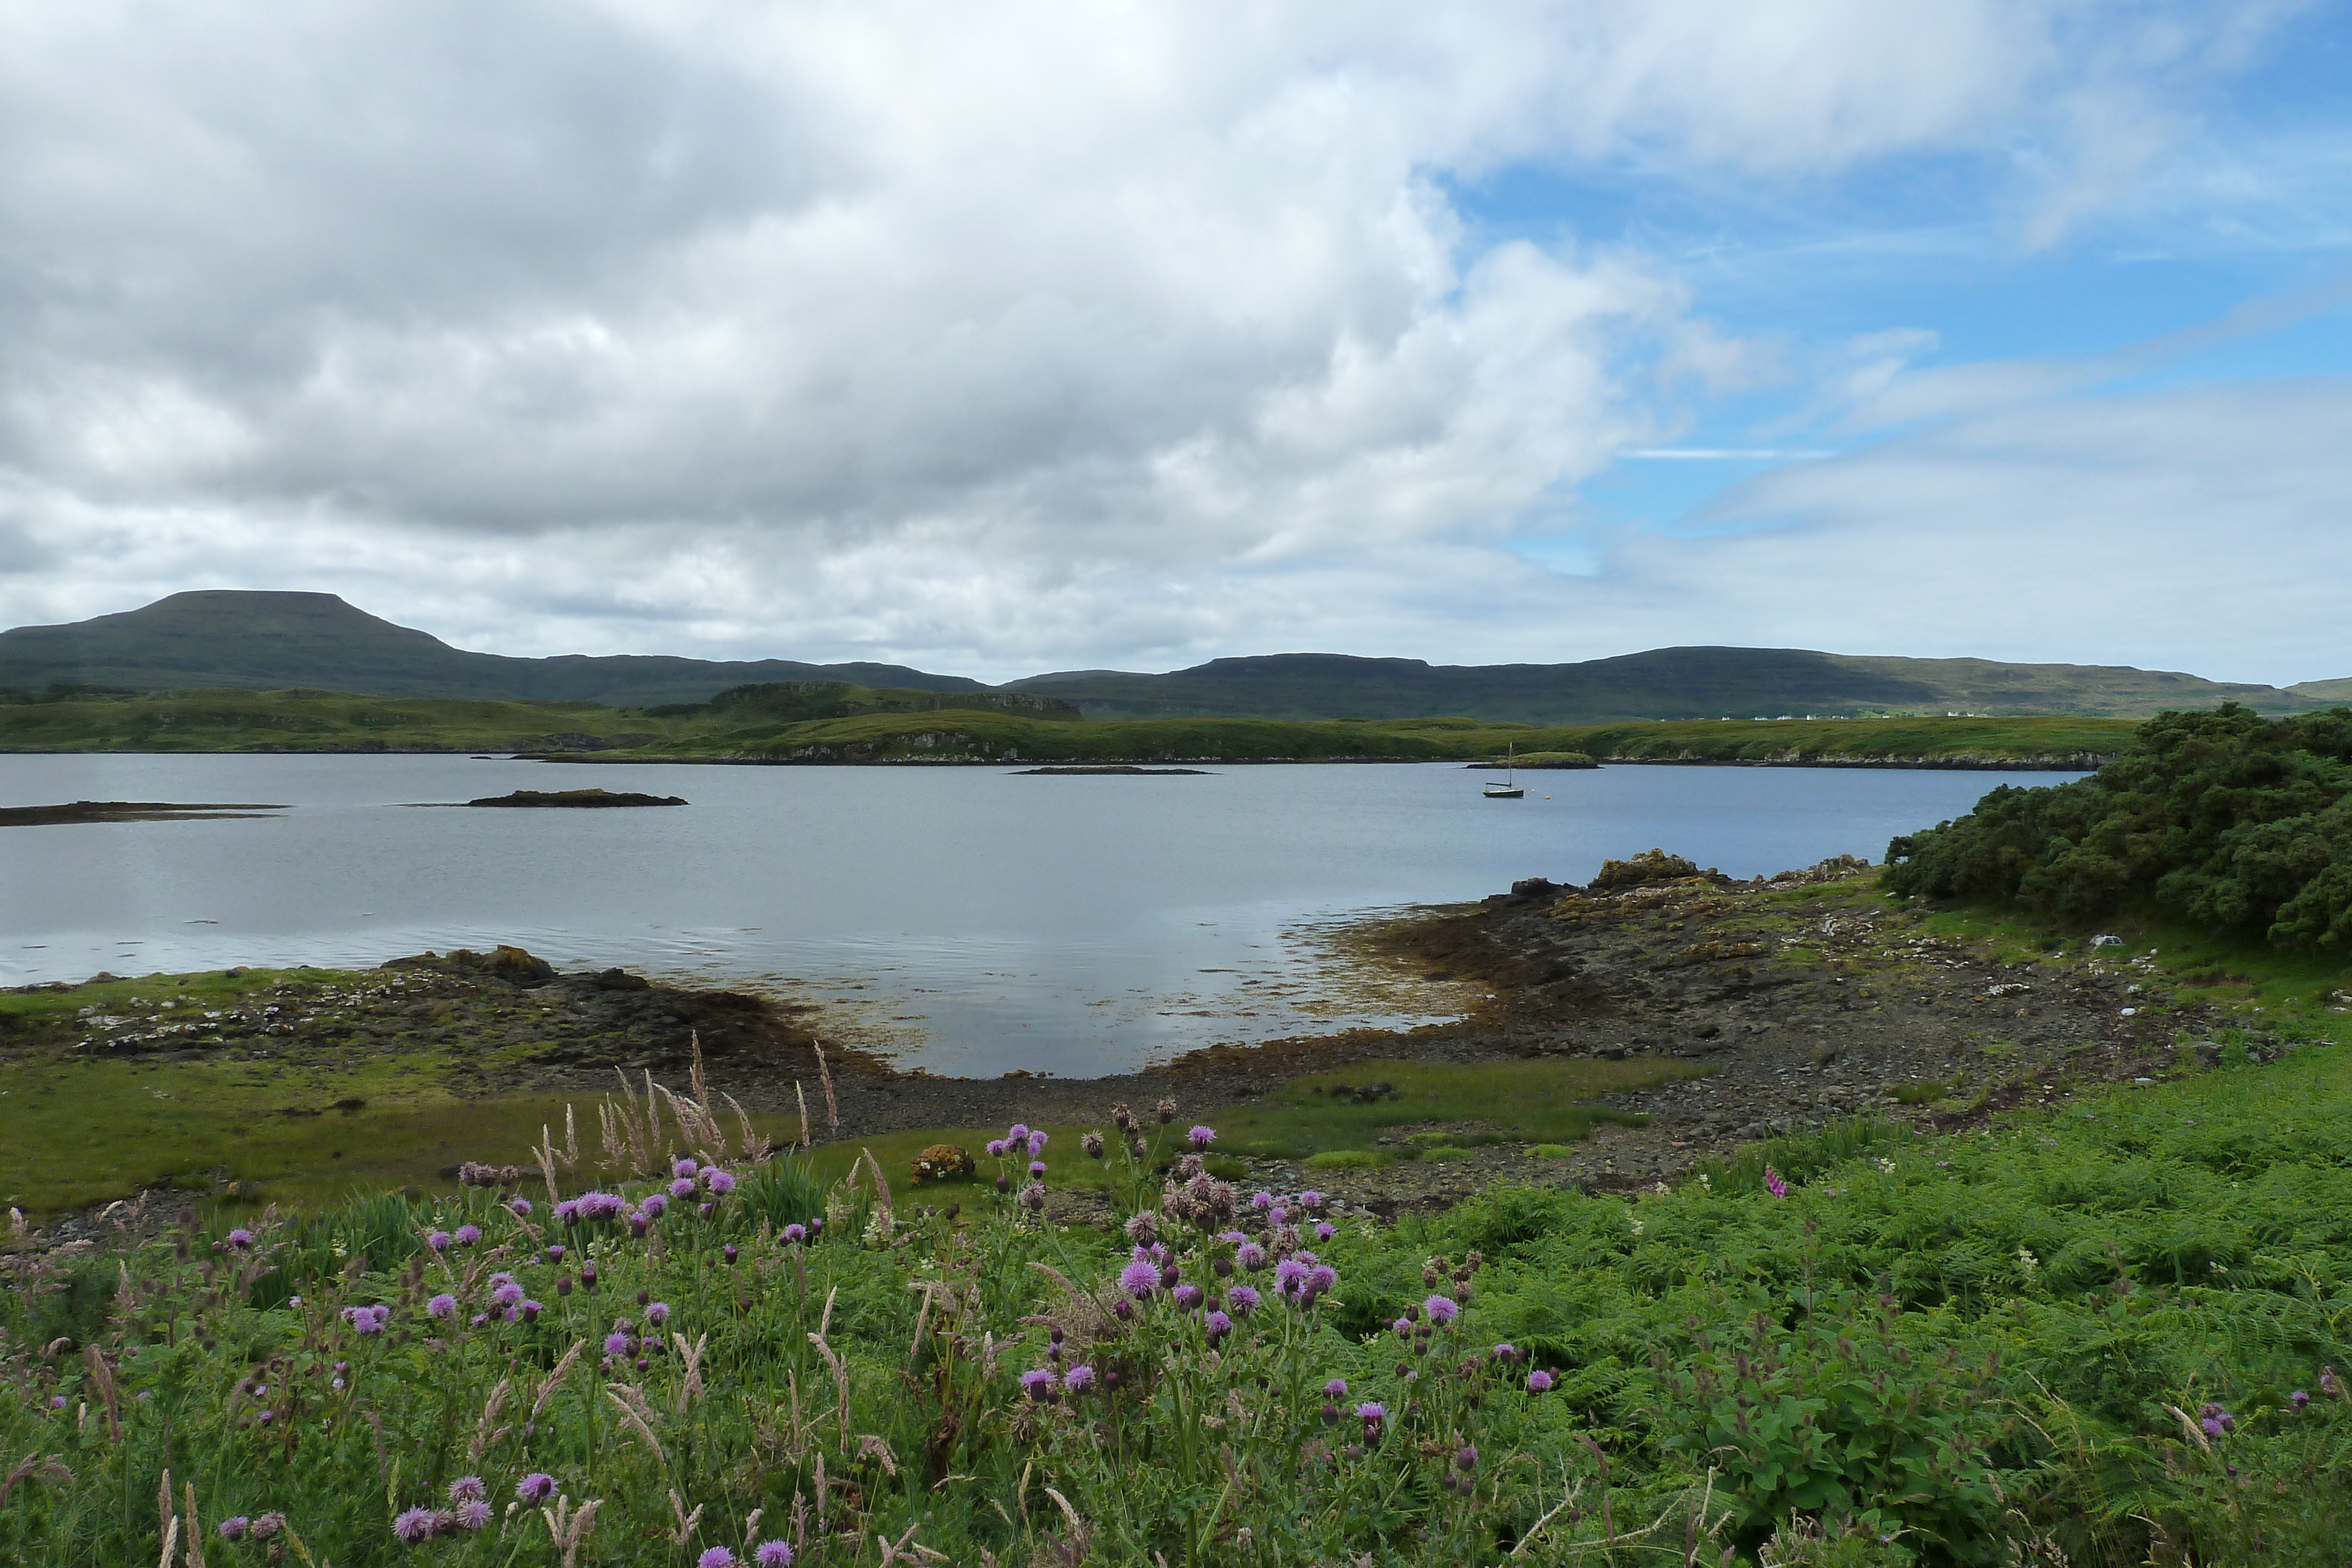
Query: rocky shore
[[1781, 1005]]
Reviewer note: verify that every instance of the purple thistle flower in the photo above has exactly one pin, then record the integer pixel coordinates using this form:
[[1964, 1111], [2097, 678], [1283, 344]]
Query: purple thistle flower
[[1017, 1133], [1371, 1414], [414, 1525], [1261, 1201], [998, 1148], [521, 1208], [773, 1554], [637, 1225], [1219, 1326], [555, 1254], [683, 1188], [240, 1238], [1241, 1299], [684, 1168], [796, 1234], [1289, 1275], [1078, 1379], [473, 1515], [1139, 1279], [1506, 1352], [1322, 1278], [1539, 1381], [467, 1488], [233, 1527], [1773, 1184], [1310, 1199], [1336, 1389], [1404, 1327], [531, 1310], [1201, 1138], [438, 1241], [1465, 1458], [507, 1295], [2212, 1427], [658, 1314], [720, 1182], [1036, 1145], [717, 1557], [536, 1487], [1032, 1196], [1441, 1309], [1187, 1296], [441, 1306], [1038, 1384], [57, 1401], [468, 1233], [1250, 1255], [2298, 1399], [1325, 1230], [478, 1318], [616, 1345], [1036, 1167], [1277, 1214], [568, 1211], [654, 1205]]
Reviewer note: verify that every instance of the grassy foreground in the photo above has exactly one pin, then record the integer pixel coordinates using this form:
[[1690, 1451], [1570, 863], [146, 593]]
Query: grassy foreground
[[877, 728], [2104, 1337]]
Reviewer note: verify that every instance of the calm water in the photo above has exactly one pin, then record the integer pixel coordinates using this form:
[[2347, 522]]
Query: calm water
[[975, 920]]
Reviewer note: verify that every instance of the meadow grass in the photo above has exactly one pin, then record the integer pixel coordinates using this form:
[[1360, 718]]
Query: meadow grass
[[1547, 1100], [2102, 1336]]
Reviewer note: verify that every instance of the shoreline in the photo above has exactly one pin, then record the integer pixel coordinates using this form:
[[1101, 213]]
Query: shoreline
[[1744, 1010], [2038, 763]]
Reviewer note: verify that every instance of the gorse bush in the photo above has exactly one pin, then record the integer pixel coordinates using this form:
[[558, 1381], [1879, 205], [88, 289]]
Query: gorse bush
[[2105, 1339], [2225, 819]]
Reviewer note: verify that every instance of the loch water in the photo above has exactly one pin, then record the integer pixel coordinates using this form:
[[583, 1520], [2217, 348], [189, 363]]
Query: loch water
[[971, 920]]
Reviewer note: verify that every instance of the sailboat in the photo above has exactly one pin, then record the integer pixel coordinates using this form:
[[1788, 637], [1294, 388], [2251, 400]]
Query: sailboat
[[1509, 789]]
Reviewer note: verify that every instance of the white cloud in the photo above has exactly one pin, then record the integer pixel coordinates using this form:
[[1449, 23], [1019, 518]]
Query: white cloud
[[2199, 528], [995, 335]]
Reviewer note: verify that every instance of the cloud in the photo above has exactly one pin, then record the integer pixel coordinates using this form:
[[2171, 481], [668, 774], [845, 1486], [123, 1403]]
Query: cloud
[[997, 335], [2198, 528]]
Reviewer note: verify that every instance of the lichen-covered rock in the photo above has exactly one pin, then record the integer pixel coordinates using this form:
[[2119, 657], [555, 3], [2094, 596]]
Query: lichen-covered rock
[[943, 1162]]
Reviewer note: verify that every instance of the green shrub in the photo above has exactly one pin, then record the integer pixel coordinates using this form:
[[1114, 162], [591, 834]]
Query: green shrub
[[2226, 820]]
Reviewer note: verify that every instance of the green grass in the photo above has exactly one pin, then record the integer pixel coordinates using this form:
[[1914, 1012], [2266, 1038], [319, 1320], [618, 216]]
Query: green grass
[[1546, 1099], [1961, 1351]]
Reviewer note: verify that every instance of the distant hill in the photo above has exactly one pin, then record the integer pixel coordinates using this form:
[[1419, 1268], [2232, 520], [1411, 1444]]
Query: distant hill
[[268, 641], [1665, 682], [263, 642]]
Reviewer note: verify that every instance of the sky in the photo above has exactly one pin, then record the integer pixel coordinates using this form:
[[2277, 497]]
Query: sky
[[997, 338]]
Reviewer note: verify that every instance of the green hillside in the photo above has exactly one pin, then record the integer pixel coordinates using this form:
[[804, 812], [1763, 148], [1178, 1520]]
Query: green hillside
[[265, 641], [836, 722], [270, 641], [1008, 738], [1664, 682]]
